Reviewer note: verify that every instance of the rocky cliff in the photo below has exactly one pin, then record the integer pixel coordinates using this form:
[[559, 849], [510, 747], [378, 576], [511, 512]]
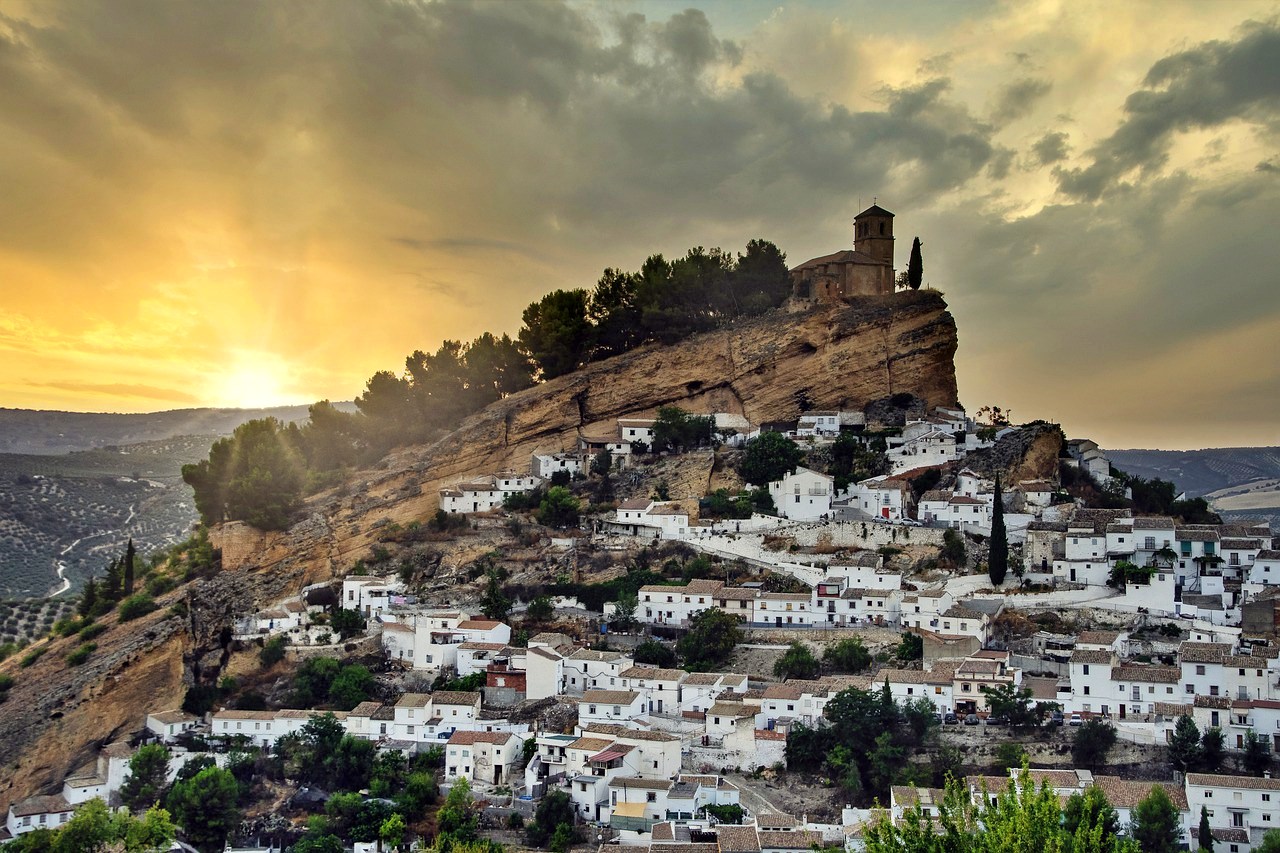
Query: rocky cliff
[[833, 356]]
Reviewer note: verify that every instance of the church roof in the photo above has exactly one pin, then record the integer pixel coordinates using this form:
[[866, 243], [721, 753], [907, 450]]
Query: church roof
[[873, 210], [847, 256]]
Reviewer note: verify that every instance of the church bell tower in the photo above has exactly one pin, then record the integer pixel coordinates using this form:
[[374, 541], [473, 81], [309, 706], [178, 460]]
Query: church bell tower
[[873, 234]]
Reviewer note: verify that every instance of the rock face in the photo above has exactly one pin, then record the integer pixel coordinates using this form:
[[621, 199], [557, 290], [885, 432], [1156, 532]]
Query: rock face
[[1030, 453], [835, 356]]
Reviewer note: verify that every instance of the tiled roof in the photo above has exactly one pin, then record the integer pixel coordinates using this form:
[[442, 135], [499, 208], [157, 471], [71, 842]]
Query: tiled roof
[[467, 738], [455, 697], [1152, 523], [478, 625], [640, 782], [1213, 701], [737, 839], [364, 709], [51, 804], [1218, 780], [653, 672], [1203, 652], [1102, 638], [1127, 793], [171, 717], [1147, 674], [804, 839], [629, 733], [635, 503], [1090, 656], [776, 820], [591, 744], [609, 697]]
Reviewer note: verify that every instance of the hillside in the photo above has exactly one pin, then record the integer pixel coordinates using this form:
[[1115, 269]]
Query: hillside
[[1199, 472], [34, 431], [832, 356]]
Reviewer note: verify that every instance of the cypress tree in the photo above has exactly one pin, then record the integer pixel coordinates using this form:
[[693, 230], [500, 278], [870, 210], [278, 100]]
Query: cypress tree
[[1206, 833], [915, 266], [129, 553], [998, 560]]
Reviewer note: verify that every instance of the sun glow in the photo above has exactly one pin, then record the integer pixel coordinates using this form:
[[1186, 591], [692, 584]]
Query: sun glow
[[251, 384]]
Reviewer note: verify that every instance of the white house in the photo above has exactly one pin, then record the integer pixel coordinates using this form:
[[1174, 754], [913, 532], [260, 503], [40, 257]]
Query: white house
[[166, 725], [803, 495], [1235, 802], [432, 717], [588, 669], [484, 758], [370, 596], [881, 497], [610, 706], [660, 686], [486, 493], [47, 812], [547, 464]]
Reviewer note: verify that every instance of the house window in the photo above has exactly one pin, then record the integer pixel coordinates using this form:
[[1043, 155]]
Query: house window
[[591, 709], [1086, 669], [1200, 670], [651, 796], [1086, 690]]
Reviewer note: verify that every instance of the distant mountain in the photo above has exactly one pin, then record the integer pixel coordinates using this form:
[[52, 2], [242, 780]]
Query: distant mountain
[[33, 431], [1201, 472]]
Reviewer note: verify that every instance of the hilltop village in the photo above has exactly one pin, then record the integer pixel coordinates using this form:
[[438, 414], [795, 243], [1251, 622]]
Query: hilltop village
[[682, 631]]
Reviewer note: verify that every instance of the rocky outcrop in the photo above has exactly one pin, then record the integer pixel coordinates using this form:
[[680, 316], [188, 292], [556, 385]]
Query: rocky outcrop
[[835, 356], [1029, 453]]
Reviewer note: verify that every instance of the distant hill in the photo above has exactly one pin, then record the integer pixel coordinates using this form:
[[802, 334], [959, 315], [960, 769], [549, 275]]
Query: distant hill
[[1200, 472], [41, 432], [74, 487]]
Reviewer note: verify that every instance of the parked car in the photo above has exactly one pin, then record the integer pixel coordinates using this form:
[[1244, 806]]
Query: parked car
[[971, 719], [1055, 718], [950, 719], [1001, 720], [1076, 719]]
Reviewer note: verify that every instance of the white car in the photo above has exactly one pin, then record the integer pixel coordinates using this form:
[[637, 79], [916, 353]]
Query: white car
[[1076, 719]]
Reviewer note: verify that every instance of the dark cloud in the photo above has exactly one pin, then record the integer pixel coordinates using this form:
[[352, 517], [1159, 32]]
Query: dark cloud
[[1207, 86], [1016, 99], [1051, 148]]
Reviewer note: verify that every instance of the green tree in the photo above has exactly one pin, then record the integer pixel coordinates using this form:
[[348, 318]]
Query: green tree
[[1090, 821], [456, 819], [495, 604], [654, 653], [1184, 745], [559, 508], [797, 662], [910, 647], [768, 458], [348, 623], [1256, 757], [205, 808], [847, 655], [148, 769], [713, 635], [998, 558], [1092, 742], [391, 833], [1006, 700], [554, 810], [915, 266], [676, 430], [556, 334], [1155, 823], [88, 598], [255, 476], [1212, 746], [1009, 755], [272, 651], [602, 463], [540, 609], [953, 550], [1205, 832], [351, 686]]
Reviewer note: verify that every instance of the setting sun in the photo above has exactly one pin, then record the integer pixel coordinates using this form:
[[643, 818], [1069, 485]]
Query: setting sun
[[250, 386]]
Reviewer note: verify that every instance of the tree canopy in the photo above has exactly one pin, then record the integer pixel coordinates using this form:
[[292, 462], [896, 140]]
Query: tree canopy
[[769, 457]]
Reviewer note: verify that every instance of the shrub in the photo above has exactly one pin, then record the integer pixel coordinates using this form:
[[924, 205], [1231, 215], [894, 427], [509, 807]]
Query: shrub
[[136, 606], [81, 654], [88, 632], [32, 656], [272, 652]]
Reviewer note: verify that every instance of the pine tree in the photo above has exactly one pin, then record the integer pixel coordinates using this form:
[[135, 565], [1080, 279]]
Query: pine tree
[[113, 584], [998, 559], [915, 266], [88, 598], [129, 553]]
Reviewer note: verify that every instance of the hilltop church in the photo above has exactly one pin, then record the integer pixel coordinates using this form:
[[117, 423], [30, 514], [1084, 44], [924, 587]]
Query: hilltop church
[[864, 270]]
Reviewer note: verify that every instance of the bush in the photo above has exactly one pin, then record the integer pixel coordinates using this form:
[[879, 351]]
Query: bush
[[81, 654], [272, 652], [88, 632], [136, 606], [32, 656]]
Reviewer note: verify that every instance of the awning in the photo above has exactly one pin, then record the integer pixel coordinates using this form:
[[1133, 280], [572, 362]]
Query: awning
[[610, 753], [629, 809]]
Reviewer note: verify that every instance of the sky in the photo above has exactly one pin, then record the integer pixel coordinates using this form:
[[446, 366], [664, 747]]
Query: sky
[[222, 202]]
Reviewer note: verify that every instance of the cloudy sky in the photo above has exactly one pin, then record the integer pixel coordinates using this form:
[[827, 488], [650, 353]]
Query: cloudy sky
[[247, 202]]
